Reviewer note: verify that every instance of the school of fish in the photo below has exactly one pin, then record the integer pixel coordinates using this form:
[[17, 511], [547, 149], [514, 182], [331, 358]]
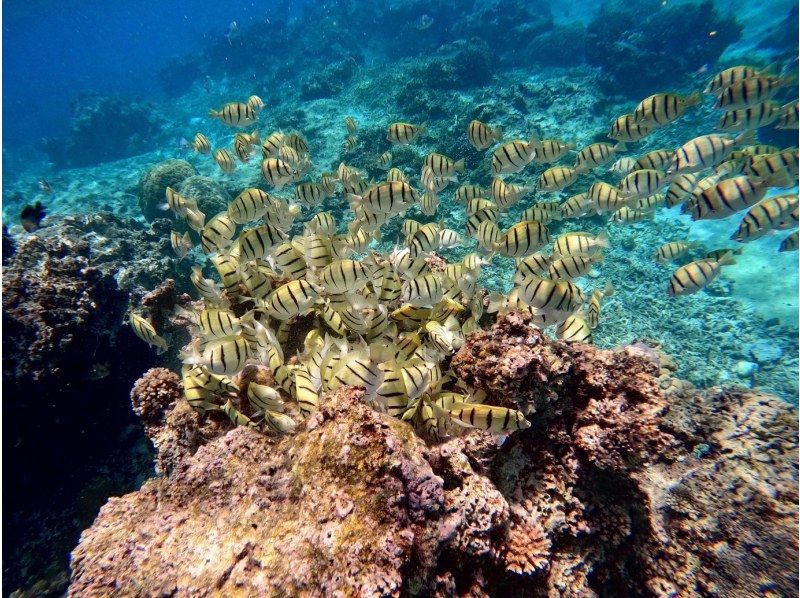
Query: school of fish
[[390, 322]]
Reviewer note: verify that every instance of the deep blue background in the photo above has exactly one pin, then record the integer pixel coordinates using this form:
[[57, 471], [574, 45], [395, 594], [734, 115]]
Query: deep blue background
[[53, 51]]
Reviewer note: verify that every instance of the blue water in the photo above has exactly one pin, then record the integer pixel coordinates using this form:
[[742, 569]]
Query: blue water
[[97, 93]]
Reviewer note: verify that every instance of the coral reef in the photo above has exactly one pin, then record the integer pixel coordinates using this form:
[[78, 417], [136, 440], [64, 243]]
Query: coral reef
[[67, 370], [105, 128], [617, 488], [638, 51], [211, 196], [154, 183]]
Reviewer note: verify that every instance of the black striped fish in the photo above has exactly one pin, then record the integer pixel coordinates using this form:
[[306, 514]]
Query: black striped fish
[[680, 188], [217, 234], [306, 391], [556, 178], [764, 217], [506, 194], [575, 329], [597, 154], [788, 116], [405, 133], [673, 250], [550, 295], [630, 216], [254, 243], [752, 117], [385, 198], [208, 289], [467, 192], [342, 276], [181, 244], [575, 243], [603, 198], [288, 260], [580, 205], [221, 356], [513, 156], [424, 291], [385, 160], [641, 183], [264, 398], [696, 275], [201, 144], [732, 75], [497, 420], [251, 204], [523, 238], [235, 114], [661, 109], [350, 124], [310, 194], [277, 172], [571, 267], [596, 303], [748, 92], [656, 160], [626, 128], [551, 150], [396, 175], [291, 299], [727, 197], [145, 331], [789, 243], [272, 145], [224, 160], [481, 136]]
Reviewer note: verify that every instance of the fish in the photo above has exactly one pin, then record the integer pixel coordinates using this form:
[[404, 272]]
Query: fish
[[580, 205], [536, 264], [727, 197], [272, 145], [732, 75], [443, 167], [224, 160], [597, 154], [429, 203], [235, 114], [405, 133], [544, 212], [749, 92], [680, 188], [655, 160], [250, 205], [386, 198], [487, 417], [424, 240], [322, 223], [31, 216], [575, 329], [789, 243], [358, 369], [661, 109], [557, 178], [513, 156], [145, 331], [571, 267], [201, 144], [716, 254], [551, 150], [752, 117], [227, 266], [181, 244], [641, 183], [673, 250], [306, 391], [45, 187], [277, 172], [488, 235], [630, 216], [577, 243], [255, 103], [396, 175], [788, 116], [626, 128], [291, 299], [254, 243], [624, 165], [765, 216], [481, 136], [696, 275], [385, 160], [779, 169], [208, 289], [423, 291], [466, 193], [603, 197], [522, 239], [297, 142], [350, 124], [506, 194], [264, 398], [344, 276], [550, 295], [176, 202], [596, 303], [217, 234], [242, 146], [350, 143]]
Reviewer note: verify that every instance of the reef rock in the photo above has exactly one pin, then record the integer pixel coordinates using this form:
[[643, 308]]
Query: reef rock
[[614, 490], [154, 183]]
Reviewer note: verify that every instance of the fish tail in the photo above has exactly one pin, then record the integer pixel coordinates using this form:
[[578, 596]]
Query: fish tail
[[423, 128], [693, 98], [746, 138], [726, 259], [608, 290], [213, 113], [459, 166], [602, 239], [620, 147], [497, 133]]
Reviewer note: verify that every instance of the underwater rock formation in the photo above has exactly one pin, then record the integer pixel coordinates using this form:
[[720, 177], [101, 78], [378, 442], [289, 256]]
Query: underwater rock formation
[[656, 47], [106, 128], [211, 196], [67, 370], [615, 489], [154, 183]]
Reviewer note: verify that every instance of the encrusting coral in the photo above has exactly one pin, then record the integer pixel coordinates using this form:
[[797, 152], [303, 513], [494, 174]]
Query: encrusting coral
[[615, 489]]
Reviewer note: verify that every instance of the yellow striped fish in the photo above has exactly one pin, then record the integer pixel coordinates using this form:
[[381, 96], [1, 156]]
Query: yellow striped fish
[[207, 288], [536, 264], [386, 198], [748, 92], [604, 198], [396, 175], [488, 235], [630, 216], [543, 212], [513, 156], [385, 160], [481, 136], [597, 154], [224, 160], [218, 323], [264, 398], [235, 114], [256, 103], [349, 143], [350, 124], [291, 299], [467, 192], [251, 204], [523, 238], [424, 291], [557, 178], [788, 116], [576, 243], [497, 420], [405, 133], [580, 205], [272, 145], [641, 183], [680, 188], [181, 244], [752, 117], [575, 329], [201, 144], [732, 75], [222, 356], [571, 267], [145, 331], [425, 240], [322, 223], [596, 303], [627, 129], [277, 172], [696, 275], [764, 217], [199, 397], [551, 150], [655, 160], [673, 250], [662, 108], [550, 295], [342, 276], [217, 234], [288, 260], [441, 166], [727, 197], [310, 194], [506, 194], [178, 203], [254, 243], [306, 391], [242, 146], [789, 243]]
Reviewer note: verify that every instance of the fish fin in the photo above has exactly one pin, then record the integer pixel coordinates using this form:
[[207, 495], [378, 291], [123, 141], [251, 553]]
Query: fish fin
[[746, 138], [163, 207], [620, 147], [726, 259], [602, 239], [459, 166], [423, 128], [693, 98], [213, 113], [497, 133], [608, 290]]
